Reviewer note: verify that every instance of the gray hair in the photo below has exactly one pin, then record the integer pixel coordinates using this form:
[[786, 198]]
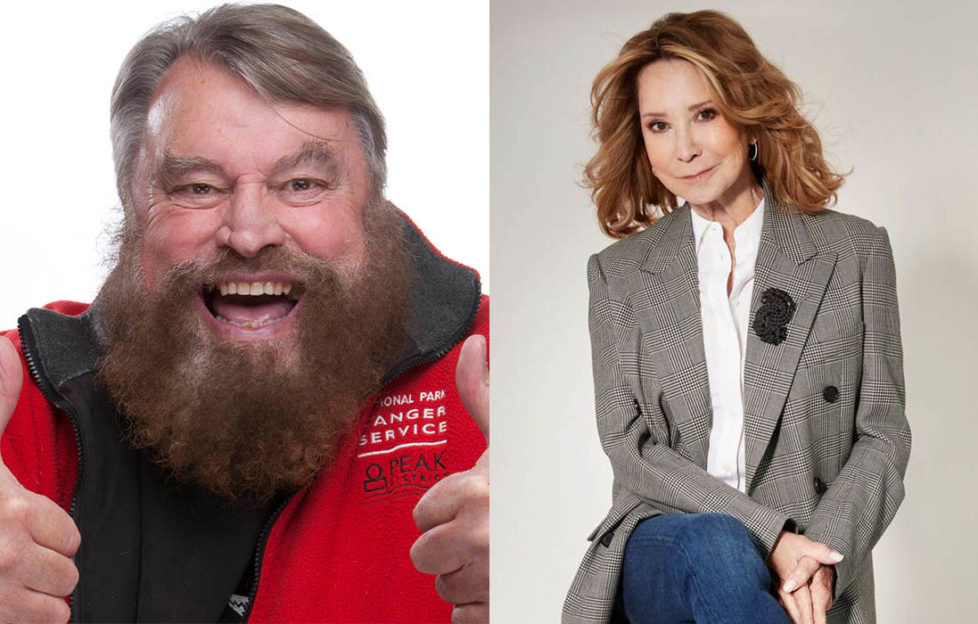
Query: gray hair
[[281, 53]]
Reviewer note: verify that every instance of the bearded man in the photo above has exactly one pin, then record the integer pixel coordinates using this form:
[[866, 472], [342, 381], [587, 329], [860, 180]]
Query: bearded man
[[242, 423]]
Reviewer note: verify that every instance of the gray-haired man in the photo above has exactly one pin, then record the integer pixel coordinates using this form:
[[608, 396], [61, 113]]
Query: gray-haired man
[[242, 423]]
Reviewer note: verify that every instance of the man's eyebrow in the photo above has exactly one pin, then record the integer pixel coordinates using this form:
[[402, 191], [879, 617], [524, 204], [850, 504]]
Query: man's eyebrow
[[172, 169], [316, 153]]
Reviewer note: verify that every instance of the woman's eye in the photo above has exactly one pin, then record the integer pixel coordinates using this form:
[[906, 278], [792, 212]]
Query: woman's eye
[[707, 114], [658, 126]]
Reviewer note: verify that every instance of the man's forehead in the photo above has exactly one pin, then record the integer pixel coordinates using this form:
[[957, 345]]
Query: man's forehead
[[184, 76], [159, 111], [194, 85], [199, 109]]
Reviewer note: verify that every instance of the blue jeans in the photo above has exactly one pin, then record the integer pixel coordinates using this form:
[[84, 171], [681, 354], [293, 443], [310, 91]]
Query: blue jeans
[[700, 568]]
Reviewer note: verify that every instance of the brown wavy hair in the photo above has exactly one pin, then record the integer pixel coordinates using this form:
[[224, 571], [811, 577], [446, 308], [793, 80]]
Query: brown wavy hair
[[749, 91]]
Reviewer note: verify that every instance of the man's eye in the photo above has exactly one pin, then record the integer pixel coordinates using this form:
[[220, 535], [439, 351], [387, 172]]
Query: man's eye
[[299, 185], [196, 195], [301, 191]]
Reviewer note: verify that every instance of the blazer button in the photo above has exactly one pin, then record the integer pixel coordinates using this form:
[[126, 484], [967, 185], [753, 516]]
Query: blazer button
[[606, 538], [819, 486], [830, 394]]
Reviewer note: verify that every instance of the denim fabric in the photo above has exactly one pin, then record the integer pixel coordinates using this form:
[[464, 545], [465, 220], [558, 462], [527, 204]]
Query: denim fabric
[[703, 568]]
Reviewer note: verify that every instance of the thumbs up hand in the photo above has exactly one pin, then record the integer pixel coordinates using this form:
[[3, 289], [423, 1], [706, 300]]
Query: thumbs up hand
[[37, 538], [454, 513]]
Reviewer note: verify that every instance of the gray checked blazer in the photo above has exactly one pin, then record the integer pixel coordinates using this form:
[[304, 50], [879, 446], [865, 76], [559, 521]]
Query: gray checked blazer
[[827, 439]]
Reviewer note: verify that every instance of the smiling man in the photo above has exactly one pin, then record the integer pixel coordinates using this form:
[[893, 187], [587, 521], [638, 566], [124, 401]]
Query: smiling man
[[265, 390]]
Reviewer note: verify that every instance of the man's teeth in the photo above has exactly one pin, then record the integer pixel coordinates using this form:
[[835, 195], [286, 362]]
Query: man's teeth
[[248, 324], [255, 288]]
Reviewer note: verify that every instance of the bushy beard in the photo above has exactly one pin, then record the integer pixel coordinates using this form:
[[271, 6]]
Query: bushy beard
[[249, 420]]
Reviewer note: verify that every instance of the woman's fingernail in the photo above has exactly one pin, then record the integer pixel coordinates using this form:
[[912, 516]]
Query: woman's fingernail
[[790, 586], [836, 557]]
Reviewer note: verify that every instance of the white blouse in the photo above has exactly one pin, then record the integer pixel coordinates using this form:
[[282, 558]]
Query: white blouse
[[725, 321]]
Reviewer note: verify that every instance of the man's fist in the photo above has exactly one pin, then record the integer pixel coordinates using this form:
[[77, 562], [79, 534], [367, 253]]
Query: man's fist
[[454, 513], [37, 538]]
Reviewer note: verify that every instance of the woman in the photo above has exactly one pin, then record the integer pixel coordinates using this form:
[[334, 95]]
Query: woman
[[746, 348]]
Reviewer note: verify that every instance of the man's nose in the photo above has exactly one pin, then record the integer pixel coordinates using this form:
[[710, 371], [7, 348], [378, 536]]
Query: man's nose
[[251, 221], [687, 147]]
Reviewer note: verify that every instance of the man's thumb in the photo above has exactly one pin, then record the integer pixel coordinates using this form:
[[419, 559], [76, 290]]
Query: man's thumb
[[11, 379], [472, 380]]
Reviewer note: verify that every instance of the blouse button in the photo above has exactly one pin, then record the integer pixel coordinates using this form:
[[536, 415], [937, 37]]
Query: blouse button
[[830, 394]]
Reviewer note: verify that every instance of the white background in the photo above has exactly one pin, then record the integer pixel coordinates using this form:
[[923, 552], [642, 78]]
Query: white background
[[426, 64], [892, 88]]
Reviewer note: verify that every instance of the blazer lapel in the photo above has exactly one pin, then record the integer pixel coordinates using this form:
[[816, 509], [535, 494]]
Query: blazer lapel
[[787, 259], [674, 336]]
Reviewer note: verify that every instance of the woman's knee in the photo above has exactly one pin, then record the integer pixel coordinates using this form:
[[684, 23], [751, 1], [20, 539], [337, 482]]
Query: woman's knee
[[694, 550], [702, 540], [719, 536], [719, 527]]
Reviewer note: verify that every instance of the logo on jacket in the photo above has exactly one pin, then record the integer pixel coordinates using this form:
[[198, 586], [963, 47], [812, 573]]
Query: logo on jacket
[[403, 444]]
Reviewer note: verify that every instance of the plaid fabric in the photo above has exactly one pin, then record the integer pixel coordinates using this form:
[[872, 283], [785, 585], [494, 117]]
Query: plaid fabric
[[831, 461]]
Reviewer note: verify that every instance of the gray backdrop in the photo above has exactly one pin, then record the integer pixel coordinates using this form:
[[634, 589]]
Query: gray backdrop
[[892, 88]]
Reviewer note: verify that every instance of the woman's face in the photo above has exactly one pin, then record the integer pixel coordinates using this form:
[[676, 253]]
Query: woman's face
[[694, 151]]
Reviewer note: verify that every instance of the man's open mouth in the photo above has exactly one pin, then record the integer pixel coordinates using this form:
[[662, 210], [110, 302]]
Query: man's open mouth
[[251, 304]]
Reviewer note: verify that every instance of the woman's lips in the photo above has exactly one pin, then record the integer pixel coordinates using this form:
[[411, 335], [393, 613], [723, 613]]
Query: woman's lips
[[702, 175]]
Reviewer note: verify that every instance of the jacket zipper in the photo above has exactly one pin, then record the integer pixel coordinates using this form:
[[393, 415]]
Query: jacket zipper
[[260, 551], [397, 371], [27, 342]]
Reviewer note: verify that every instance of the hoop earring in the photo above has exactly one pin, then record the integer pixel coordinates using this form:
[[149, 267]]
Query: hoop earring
[[752, 151]]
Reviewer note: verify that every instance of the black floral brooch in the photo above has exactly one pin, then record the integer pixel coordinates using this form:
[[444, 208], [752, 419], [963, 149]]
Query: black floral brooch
[[771, 320]]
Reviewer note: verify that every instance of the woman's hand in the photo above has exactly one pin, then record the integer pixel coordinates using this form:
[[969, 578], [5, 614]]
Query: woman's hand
[[799, 605], [804, 569], [821, 589], [787, 559], [809, 603]]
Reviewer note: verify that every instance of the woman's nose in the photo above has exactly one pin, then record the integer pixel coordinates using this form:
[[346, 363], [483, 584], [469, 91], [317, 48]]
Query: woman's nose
[[687, 147]]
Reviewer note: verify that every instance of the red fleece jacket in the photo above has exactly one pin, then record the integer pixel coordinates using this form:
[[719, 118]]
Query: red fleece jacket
[[339, 551]]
